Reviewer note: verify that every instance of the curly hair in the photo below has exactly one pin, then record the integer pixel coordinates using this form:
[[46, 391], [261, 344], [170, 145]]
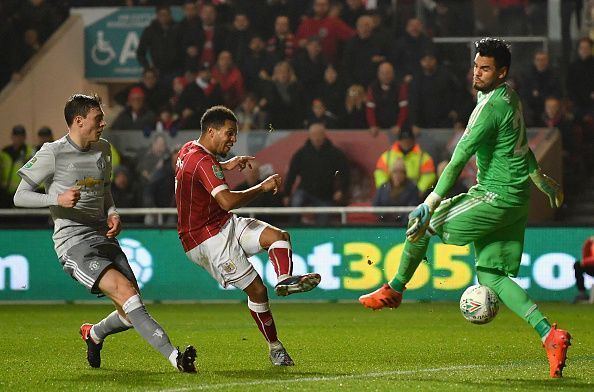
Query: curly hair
[[215, 117], [496, 48]]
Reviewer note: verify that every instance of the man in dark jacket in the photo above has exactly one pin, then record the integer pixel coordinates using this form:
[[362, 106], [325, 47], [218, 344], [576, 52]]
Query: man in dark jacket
[[363, 53], [161, 40], [323, 171], [190, 32], [197, 96], [433, 94], [310, 66], [580, 80], [409, 48], [540, 82], [156, 94]]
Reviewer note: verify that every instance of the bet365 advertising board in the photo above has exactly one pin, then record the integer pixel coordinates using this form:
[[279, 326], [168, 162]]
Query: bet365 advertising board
[[351, 261]]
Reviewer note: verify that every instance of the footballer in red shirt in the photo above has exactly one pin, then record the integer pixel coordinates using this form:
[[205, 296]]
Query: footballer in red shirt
[[220, 241]]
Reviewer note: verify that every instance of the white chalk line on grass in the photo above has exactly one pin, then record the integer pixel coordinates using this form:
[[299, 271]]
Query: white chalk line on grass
[[324, 378]]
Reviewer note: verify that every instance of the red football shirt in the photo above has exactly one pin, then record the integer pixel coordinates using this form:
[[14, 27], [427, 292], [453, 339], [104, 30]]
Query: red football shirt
[[198, 178]]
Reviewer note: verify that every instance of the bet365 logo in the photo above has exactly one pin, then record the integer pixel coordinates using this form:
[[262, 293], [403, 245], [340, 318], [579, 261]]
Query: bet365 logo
[[140, 260]]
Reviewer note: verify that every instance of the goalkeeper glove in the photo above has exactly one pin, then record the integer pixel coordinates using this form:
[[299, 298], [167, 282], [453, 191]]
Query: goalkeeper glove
[[549, 187], [418, 219]]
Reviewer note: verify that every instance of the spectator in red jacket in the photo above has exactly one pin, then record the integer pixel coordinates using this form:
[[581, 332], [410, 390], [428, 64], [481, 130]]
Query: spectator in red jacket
[[331, 30], [230, 79], [283, 44], [213, 37], [387, 102]]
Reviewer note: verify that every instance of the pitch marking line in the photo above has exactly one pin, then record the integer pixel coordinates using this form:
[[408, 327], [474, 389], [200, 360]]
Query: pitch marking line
[[322, 379]]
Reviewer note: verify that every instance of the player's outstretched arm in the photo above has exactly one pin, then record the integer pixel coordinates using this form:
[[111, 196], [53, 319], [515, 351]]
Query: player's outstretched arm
[[544, 183], [242, 161], [229, 200]]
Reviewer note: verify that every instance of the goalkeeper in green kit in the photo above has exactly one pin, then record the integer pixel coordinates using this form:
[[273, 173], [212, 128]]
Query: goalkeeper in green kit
[[493, 213]]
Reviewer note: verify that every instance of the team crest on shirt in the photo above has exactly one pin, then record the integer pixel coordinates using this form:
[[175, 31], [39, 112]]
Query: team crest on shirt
[[101, 163], [94, 265], [218, 172], [229, 267], [30, 163]]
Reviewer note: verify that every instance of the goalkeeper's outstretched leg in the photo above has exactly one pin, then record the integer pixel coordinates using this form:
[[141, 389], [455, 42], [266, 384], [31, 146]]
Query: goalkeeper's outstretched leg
[[390, 294]]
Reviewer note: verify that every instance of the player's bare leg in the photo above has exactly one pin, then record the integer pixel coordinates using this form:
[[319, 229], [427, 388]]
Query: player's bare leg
[[260, 311], [278, 244], [125, 295]]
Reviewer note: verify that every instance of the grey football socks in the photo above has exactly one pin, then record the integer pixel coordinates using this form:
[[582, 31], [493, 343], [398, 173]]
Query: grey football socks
[[111, 324], [148, 328]]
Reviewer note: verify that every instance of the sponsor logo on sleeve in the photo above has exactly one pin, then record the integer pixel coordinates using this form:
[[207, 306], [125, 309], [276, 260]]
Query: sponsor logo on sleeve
[[30, 163], [218, 172]]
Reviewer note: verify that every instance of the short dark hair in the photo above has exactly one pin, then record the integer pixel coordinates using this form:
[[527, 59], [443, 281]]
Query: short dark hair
[[215, 117], [496, 48], [80, 105]]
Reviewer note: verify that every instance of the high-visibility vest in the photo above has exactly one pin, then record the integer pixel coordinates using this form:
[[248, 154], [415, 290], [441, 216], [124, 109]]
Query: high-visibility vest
[[9, 178], [420, 168]]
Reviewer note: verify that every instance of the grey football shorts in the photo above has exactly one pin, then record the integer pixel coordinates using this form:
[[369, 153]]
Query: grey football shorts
[[86, 262]]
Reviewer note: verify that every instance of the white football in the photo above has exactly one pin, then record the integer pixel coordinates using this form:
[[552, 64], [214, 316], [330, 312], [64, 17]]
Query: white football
[[479, 304]]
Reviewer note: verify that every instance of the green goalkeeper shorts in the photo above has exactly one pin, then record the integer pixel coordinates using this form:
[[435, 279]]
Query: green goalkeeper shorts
[[497, 232]]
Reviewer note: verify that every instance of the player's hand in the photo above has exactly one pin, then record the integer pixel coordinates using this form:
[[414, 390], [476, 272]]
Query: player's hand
[[418, 221], [114, 224], [419, 218], [549, 187], [272, 183], [69, 198], [242, 161]]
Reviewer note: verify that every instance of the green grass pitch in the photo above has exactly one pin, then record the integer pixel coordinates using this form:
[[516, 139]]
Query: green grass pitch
[[420, 347]]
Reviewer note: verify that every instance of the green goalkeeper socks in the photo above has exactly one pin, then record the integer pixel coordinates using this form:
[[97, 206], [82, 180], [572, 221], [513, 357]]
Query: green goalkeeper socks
[[515, 298], [411, 257]]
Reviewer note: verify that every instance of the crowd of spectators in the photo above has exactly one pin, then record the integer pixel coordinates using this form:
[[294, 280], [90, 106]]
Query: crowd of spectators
[[322, 65]]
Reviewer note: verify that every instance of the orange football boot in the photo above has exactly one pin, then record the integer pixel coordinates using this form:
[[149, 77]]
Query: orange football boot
[[384, 297], [556, 345]]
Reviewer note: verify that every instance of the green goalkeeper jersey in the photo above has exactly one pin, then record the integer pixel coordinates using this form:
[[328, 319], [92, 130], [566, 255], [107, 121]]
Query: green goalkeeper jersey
[[496, 133]]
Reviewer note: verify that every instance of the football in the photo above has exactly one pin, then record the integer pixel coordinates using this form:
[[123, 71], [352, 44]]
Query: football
[[479, 304]]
